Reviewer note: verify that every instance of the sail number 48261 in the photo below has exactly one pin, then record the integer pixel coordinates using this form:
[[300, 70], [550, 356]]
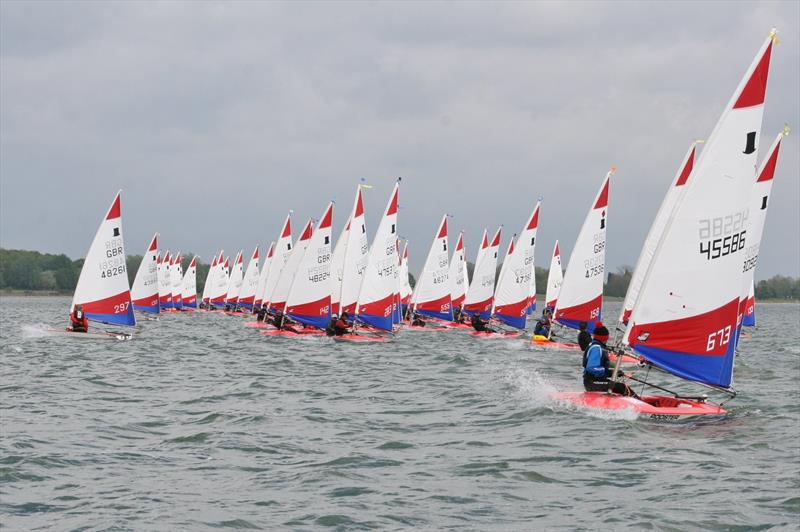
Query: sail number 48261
[[720, 337]]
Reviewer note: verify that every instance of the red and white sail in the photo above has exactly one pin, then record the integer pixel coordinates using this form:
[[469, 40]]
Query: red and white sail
[[480, 294], [758, 215], [284, 284], [262, 277], [209, 279], [309, 299], [219, 291], [355, 257], [189, 293], [103, 288], [176, 279], [458, 273], [581, 297], [432, 296], [235, 279], [554, 279], [283, 249], [144, 292], [247, 294], [405, 284], [376, 300], [672, 198], [685, 318], [513, 293], [164, 282], [337, 266]]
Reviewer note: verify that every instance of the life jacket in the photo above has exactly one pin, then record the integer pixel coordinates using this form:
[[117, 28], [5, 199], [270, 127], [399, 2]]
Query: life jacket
[[593, 360]]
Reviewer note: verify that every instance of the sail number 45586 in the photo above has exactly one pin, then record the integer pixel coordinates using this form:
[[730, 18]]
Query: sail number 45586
[[720, 337]]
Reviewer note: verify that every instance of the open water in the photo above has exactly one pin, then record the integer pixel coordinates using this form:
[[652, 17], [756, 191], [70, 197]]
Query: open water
[[199, 423]]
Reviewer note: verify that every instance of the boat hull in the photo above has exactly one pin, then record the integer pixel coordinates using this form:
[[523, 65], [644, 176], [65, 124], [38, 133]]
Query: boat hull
[[654, 407]]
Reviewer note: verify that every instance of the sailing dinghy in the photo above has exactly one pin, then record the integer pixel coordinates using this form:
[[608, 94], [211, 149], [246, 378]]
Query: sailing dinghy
[[144, 292], [176, 280], [164, 284], [432, 296], [247, 293], [102, 288], [405, 285], [283, 249], [235, 283], [480, 293], [685, 319], [262, 277], [189, 290]]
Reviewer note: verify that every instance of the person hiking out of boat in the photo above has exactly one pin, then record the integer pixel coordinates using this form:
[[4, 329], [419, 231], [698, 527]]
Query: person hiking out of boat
[[78, 320], [479, 324], [584, 337], [458, 316], [417, 321], [282, 323], [543, 325], [341, 326], [597, 366], [261, 313]]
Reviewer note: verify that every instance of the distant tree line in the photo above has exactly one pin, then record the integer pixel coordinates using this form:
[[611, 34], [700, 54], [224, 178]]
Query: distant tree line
[[31, 270]]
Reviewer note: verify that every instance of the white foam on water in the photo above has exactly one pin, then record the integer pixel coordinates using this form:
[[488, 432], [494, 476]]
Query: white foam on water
[[36, 330]]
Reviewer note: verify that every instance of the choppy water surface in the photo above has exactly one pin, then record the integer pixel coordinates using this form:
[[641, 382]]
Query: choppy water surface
[[200, 423]]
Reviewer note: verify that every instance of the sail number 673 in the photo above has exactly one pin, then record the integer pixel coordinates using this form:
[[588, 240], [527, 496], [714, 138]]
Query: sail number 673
[[720, 337]]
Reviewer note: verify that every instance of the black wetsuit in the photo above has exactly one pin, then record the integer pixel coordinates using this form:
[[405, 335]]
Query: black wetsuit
[[584, 339]]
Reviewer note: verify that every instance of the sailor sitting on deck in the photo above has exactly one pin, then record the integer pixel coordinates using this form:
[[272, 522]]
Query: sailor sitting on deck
[[543, 325], [596, 366], [479, 324], [341, 327], [78, 320], [282, 323], [417, 321], [584, 336], [261, 313]]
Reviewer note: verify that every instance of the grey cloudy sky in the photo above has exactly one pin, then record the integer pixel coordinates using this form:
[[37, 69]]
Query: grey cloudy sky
[[215, 118]]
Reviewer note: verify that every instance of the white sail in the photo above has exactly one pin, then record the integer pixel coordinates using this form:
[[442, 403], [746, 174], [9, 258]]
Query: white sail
[[581, 297], [480, 294], [176, 279], [144, 292], [554, 279], [458, 273], [247, 293], [432, 296], [189, 293], [102, 288], [355, 257], [281, 292], [685, 318], [512, 295], [262, 277], [235, 279], [337, 265], [283, 248], [209, 280], [164, 282]]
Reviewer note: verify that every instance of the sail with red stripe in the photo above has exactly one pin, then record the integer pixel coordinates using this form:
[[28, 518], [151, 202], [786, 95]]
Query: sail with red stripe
[[144, 292], [309, 299], [235, 280], [672, 198], [176, 279], [513, 293], [685, 318], [758, 215], [555, 277], [480, 294], [458, 273], [284, 284], [283, 249], [220, 289], [355, 256], [102, 288], [376, 301], [337, 267], [164, 283], [581, 296], [432, 296], [262, 277], [247, 293], [189, 290], [209, 280]]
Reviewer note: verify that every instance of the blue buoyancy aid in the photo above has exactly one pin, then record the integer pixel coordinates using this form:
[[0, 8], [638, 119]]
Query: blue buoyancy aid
[[594, 360]]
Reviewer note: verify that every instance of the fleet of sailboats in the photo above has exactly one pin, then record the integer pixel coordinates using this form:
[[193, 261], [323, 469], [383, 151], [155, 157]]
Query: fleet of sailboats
[[690, 294]]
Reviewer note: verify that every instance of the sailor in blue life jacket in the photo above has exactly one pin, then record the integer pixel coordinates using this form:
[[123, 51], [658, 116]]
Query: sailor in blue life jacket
[[542, 327], [597, 368]]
